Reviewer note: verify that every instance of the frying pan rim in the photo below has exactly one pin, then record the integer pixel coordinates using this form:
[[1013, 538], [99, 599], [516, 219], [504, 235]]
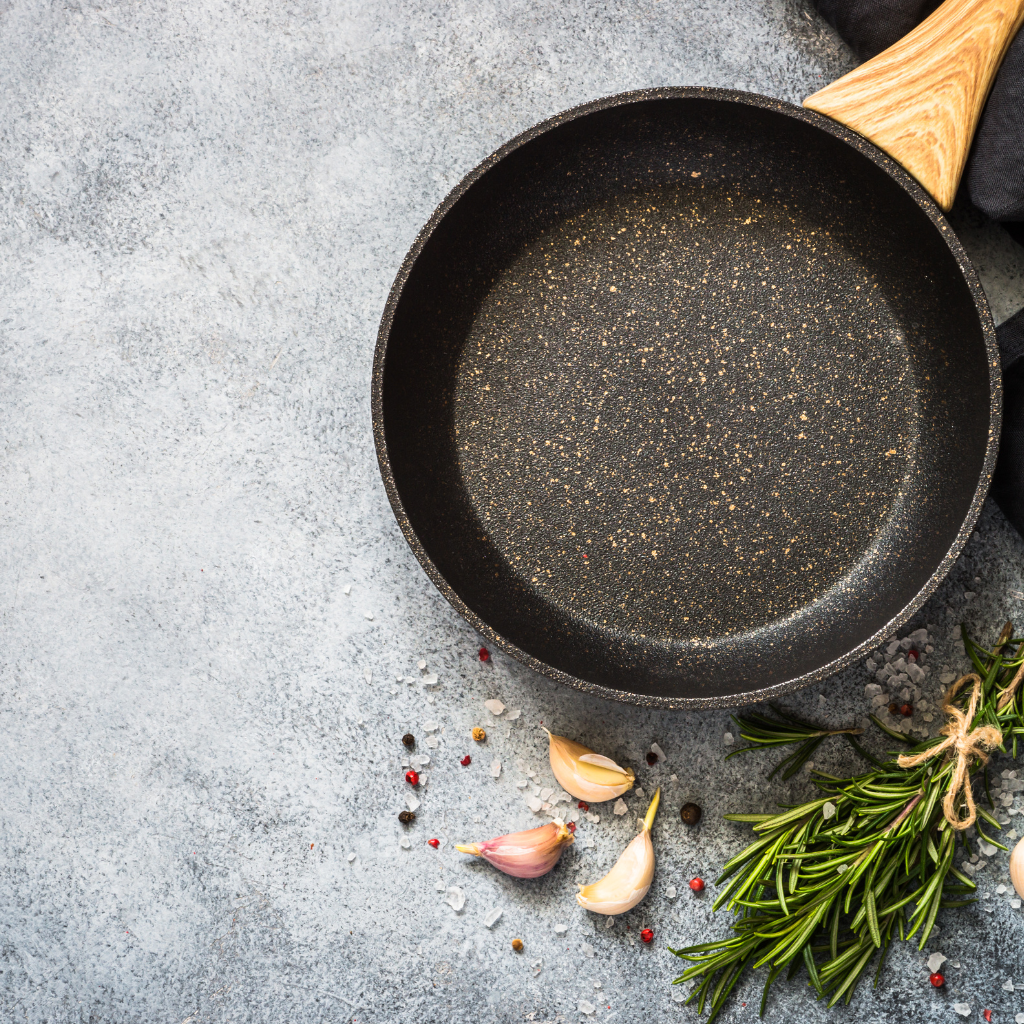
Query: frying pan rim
[[833, 128]]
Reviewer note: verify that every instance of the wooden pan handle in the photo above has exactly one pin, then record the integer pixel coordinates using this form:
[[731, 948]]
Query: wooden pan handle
[[921, 99]]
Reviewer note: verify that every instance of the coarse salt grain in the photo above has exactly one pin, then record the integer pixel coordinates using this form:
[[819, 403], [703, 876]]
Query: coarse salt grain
[[430, 726], [455, 898], [639, 792], [351, 857], [431, 742], [513, 715], [964, 1009], [494, 706], [587, 949], [534, 803], [670, 892], [411, 801], [522, 783], [658, 752], [421, 664], [1015, 904], [369, 616], [561, 929], [828, 810], [620, 807], [586, 1007], [1008, 985], [986, 848], [495, 769], [728, 740], [492, 916], [935, 961], [348, 588], [593, 818], [1020, 1016], [404, 843], [1000, 889]]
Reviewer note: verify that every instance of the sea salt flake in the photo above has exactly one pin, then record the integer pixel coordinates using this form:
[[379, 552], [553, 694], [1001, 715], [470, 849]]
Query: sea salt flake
[[495, 769], [522, 783], [439, 885], [561, 929], [404, 843], [430, 679], [1008, 985], [455, 898], [494, 706], [421, 664], [678, 996], [986, 848], [593, 817], [431, 742], [492, 916], [419, 760], [351, 857], [534, 803], [639, 792], [586, 1007], [411, 801], [368, 615], [872, 689], [430, 726], [1015, 904], [545, 793], [1000, 889], [935, 961], [670, 892], [728, 740], [828, 810], [587, 949], [513, 715], [620, 807], [658, 752], [964, 1009]]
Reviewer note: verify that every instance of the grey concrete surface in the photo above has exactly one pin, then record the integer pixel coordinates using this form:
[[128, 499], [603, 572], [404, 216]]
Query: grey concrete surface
[[202, 207]]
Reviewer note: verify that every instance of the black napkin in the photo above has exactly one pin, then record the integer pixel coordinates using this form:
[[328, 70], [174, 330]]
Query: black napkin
[[994, 182]]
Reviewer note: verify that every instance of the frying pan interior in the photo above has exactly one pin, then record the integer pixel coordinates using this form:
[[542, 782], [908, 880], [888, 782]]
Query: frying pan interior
[[686, 398]]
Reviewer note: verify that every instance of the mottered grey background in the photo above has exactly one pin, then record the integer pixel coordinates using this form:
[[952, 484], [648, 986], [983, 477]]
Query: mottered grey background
[[210, 625]]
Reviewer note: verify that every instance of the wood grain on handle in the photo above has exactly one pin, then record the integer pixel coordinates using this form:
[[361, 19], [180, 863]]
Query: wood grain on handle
[[921, 99]]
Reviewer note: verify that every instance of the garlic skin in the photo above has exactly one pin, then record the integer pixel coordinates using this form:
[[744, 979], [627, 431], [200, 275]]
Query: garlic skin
[[629, 881], [584, 774], [528, 854], [1017, 868]]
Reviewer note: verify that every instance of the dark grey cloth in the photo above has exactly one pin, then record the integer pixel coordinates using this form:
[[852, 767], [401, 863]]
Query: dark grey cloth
[[995, 171], [995, 184]]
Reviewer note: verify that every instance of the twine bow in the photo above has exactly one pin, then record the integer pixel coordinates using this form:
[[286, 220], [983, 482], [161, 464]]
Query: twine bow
[[967, 746]]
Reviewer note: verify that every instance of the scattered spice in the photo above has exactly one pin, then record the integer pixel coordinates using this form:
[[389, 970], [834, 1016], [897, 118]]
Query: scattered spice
[[466, 760], [404, 817], [690, 813], [697, 884], [894, 708], [988, 1016], [647, 935], [571, 826], [913, 655], [517, 944], [478, 734], [937, 980], [435, 843], [413, 778], [907, 710], [409, 740], [485, 655], [583, 805], [652, 758]]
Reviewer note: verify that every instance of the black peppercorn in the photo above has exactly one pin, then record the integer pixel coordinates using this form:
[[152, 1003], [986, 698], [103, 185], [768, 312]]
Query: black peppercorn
[[406, 816], [409, 740], [690, 813]]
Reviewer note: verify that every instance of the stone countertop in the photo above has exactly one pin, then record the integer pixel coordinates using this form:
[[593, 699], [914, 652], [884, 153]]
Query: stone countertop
[[205, 603]]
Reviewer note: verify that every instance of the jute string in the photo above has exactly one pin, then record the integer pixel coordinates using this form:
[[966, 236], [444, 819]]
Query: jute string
[[966, 745]]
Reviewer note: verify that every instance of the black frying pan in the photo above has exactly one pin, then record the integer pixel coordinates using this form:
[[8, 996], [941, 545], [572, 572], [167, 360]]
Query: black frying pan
[[687, 397]]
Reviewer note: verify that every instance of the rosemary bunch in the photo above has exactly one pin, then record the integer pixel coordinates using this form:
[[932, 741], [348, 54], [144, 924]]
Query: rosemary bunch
[[828, 884]]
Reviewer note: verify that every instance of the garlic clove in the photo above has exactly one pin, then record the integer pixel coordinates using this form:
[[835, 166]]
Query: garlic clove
[[527, 854], [1017, 868], [584, 774], [630, 879]]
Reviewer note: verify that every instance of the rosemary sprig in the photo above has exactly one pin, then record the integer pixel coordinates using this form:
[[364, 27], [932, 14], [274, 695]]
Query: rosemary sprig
[[828, 884]]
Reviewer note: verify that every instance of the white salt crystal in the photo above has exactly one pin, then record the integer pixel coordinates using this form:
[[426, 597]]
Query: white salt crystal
[[620, 807], [828, 810], [670, 892], [843, 868], [561, 929], [513, 715], [455, 898], [430, 726], [439, 885], [492, 916], [536, 790], [893, 647], [916, 673], [586, 1007], [1007, 799], [1000, 889], [421, 664], [494, 706], [419, 760], [1015, 904], [968, 867], [404, 843], [574, 814], [1020, 1016], [430, 679], [872, 689], [593, 818], [986, 848], [495, 769], [545, 793], [919, 636], [562, 798], [535, 804], [808, 766], [597, 984], [411, 801], [872, 666], [587, 949], [348, 588], [879, 699], [405, 762], [639, 792], [522, 784], [673, 778], [928, 717], [609, 923], [351, 857], [935, 961], [678, 996], [521, 765], [946, 678], [431, 742], [728, 740], [368, 674], [1008, 985], [658, 752], [964, 1009], [368, 615]]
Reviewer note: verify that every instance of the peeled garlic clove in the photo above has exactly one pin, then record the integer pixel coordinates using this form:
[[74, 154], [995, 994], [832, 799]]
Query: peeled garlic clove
[[628, 882], [584, 774], [528, 854], [1017, 868]]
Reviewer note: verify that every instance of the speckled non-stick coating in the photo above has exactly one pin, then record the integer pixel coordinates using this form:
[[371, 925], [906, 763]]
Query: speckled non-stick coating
[[686, 396]]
